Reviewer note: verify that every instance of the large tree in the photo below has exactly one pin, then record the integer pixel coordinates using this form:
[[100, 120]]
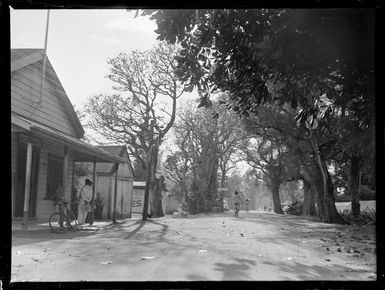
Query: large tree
[[268, 160], [205, 139], [276, 123], [305, 54], [143, 112]]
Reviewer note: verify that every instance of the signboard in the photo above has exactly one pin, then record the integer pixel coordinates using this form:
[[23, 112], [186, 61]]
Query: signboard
[[137, 200]]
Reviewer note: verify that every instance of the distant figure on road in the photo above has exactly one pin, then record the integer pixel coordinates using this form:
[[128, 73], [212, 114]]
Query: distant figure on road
[[247, 204], [237, 203]]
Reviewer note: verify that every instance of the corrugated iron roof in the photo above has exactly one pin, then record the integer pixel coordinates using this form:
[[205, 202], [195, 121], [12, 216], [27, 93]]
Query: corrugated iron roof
[[15, 53], [113, 149]]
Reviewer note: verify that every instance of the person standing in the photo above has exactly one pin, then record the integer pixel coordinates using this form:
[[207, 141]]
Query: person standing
[[247, 204], [84, 206], [237, 203]]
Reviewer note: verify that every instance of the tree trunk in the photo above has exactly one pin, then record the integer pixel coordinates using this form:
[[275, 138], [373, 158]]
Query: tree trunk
[[354, 184], [147, 191], [156, 188], [321, 197], [312, 176], [221, 193], [195, 202], [330, 215], [276, 199], [212, 185], [208, 172], [156, 197], [308, 200], [185, 195]]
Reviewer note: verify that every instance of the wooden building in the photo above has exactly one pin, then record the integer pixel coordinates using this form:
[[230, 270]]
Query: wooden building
[[105, 183], [46, 137]]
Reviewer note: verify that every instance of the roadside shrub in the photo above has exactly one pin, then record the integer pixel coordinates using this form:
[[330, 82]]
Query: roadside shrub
[[294, 208], [366, 193], [170, 211], [366, 217], [343, 198], [99, 204], [180, 212]]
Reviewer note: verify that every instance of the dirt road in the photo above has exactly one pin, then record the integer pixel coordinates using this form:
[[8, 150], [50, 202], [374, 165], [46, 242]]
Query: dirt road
[[255, 246]]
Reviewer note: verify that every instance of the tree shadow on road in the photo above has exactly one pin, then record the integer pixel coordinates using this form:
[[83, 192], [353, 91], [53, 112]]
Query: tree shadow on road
[[137, 229], [300, 227], [43, 233], [235, 271], [141, 224], [299, 271]]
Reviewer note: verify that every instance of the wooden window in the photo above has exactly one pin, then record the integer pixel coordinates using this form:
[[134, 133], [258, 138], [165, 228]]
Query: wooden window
[[54, 175]]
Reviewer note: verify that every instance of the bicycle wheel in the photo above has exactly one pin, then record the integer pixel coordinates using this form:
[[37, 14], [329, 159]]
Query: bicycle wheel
[[71, 218], [54, 223]]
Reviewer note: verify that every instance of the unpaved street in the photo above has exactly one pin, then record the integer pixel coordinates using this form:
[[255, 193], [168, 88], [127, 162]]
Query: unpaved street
[[256, 246]]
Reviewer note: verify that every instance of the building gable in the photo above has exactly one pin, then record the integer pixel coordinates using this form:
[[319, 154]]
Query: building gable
[[48, 104], [121, 151]]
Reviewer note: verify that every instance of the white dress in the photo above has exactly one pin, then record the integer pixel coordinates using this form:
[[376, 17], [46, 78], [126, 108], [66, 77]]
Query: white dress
[[85, 195]]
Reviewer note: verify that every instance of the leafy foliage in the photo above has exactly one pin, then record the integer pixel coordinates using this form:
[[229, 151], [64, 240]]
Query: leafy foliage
[[294, 208], [304, 78], [203, 138], [244, 51]]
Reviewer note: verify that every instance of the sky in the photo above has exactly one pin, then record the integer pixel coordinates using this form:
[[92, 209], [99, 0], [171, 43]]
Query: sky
[[80, 42]]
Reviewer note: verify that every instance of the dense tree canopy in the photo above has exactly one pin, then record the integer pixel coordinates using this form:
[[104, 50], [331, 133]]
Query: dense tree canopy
[[318, 61], [243, 51]]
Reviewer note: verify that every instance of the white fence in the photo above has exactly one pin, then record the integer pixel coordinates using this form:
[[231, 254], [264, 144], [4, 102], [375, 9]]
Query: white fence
[[365, 205]]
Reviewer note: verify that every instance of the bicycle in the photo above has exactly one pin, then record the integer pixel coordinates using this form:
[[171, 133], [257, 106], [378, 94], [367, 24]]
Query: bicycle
[[63, 220]]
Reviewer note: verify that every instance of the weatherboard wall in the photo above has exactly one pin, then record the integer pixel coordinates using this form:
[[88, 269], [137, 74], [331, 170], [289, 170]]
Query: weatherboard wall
[[105, 186], [25, 90]]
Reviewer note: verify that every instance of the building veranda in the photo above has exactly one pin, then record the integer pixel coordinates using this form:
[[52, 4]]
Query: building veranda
[[46, 137]]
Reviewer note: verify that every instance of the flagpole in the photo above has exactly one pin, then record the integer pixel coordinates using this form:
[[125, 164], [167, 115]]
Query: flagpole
[[44, 58]]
